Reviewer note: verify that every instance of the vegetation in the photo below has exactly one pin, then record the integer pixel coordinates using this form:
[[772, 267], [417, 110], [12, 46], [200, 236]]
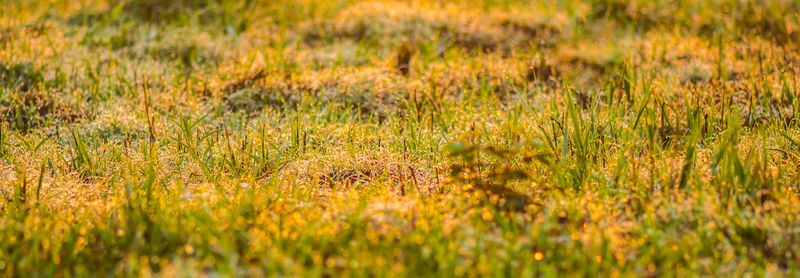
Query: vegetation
[[399, 138]]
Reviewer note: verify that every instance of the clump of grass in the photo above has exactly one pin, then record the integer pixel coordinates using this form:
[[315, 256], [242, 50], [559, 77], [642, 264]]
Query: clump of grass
[[24, 103], [22, 77], [404, 58], [27, 110], [347, 88], [704, 17], [182, 12], [385, 23], [540, 70]]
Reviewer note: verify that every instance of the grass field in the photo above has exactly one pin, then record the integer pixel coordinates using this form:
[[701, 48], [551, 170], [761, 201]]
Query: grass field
[[504, 138]]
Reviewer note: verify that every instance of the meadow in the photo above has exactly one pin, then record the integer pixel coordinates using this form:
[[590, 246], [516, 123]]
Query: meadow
[[421, 138]]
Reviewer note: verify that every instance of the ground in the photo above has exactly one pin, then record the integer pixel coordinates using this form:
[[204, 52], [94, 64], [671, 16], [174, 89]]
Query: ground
[[399, 138]]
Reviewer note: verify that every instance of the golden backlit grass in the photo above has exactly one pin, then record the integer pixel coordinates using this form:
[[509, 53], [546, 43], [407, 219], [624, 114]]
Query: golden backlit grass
[[286, 138]]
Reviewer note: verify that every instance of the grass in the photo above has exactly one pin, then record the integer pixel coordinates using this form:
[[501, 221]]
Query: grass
[[399, 138]]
